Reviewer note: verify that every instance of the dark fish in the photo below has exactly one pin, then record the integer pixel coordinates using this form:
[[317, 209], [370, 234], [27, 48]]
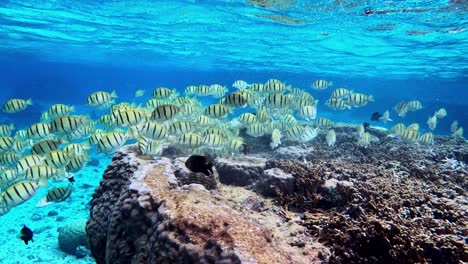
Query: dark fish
[[198, 163], [366, 126], [244, 148], [375, 116], [26, 234], [71, 179]]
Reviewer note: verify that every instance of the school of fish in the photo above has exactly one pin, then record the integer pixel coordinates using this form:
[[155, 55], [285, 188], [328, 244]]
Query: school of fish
[[50, 151]]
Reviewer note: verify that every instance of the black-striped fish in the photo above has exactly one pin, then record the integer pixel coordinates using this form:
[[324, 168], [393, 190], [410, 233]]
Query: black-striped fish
[[256, 130], [129, 117], [401, 108], [6, 144], [58, 158], [217, 111], [56, 195], [364, 140], [67, 124], [331, 138], [111, 141], [76, 163], [152, 130], [323, 122], [60, 110], [191, 140], [213, 140], [414, 105], [38, 131], [295, 132], [37, 172], [341, 93], [275, 138], [5, 130], [321, 84], [274, 86], [359, 99], [27, 162], [276, 100], [410, 135], [21, 192], [45, 146], [163, 93], [150, 147], [308, 112], [240, 84], [139, 93], [181, 127], [101, 99], [9, 159], [16, 105], [164, 112], [337, 104], [426, 139], [235, 99]]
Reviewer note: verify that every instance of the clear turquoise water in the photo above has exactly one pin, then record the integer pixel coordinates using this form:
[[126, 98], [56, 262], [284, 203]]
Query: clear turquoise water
[[62, 50]]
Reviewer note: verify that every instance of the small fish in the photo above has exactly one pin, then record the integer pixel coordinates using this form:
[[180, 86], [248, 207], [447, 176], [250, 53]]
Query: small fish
[[359, 99], [240, 84], [386, 117], [198, 163], [101, 99], [414, 105], [16, 105], [275, 138], [375, 116], [331, 138], [139, 93], [26, 234], [454, 126], [55, 195], [401, 108], [341, 93], [441, 113], [432, 122], [321, 84], [308, 112]]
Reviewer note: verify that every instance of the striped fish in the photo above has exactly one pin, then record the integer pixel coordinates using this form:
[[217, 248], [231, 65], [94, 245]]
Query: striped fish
[[323, 122], [6, 143], [9, 159], [213, 140], [236, 145], [410, 135], [38, 131], [56, 195], [308, 112], [76, 163], [152, 130], [398, 129], [256, 130], [235, 99], [20, 192], [217, 110], [364, 140], [337, 104], [37, 172], [67, 124], [276, 100], [414, 105], [359, 99], [426, 139], [240, 84], [191, 140], [275, 138], [321, 84], [341, 93], [295, 132], [401, 109], [46, 146], [8, 176], [16, 105], [204, 120], [58, 158], [164, 112], [128, 117], [274, 86], [150, 147], [263, 116], [101, 99], [182, 127], [139, 93], [60, 110], [5, 130], [163, 93], [331, 138], [27, 162], [111, 141], [247, 119]]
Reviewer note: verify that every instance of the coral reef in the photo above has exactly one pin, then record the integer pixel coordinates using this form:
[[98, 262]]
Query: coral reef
[[72, 237], [390, 202], [141, 213]]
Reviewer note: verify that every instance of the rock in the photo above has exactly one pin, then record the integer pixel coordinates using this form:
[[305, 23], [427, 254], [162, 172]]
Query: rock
[[59, 218], [335, 193], [71, 236], [36, 217], [140, 215], [276, 179], [52, 213], [240, 171]]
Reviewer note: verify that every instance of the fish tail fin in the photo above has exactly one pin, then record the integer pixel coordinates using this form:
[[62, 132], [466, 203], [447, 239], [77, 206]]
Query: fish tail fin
[[12, 126], [114, 94], [330, 83], [43, 202], [43, 182], [71, 108], [370, 98], [29, 101], [348, 106]]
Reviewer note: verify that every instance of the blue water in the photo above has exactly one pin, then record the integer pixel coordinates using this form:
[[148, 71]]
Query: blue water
[[61, 51]]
